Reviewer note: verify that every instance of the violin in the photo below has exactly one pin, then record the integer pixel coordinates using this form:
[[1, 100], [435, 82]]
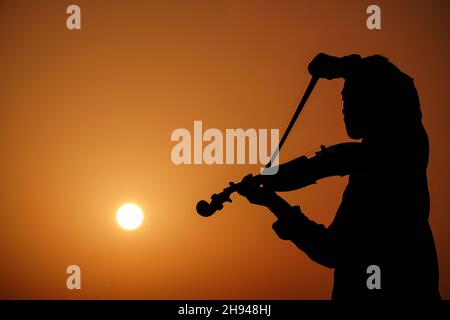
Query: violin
[[337, 160]]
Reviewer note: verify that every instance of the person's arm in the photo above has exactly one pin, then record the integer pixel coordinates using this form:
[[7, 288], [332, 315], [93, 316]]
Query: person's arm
[[314, 239]]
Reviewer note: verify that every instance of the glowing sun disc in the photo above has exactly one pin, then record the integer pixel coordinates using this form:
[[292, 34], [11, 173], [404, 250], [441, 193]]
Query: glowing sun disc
[[129, 216]]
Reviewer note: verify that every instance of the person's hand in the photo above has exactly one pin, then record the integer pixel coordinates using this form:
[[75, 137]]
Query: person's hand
[[251, 189], [325, 66], [288, 227], [331, 67]]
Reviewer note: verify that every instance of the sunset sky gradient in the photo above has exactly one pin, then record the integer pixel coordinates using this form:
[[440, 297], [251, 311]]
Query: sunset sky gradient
[[86, 118]]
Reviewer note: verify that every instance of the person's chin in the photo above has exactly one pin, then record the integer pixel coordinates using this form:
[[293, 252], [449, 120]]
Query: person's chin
[[354, 134]]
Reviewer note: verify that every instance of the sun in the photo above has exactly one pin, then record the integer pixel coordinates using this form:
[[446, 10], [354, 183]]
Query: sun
[[129, 216]]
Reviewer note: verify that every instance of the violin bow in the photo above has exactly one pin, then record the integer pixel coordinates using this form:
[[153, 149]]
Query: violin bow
[[309, 89]]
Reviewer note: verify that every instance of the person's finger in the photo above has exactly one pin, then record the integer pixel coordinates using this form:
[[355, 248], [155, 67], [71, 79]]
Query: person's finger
[[247, 180]]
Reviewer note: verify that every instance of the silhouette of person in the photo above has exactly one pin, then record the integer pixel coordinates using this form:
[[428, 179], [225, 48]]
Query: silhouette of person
[[383, 217]]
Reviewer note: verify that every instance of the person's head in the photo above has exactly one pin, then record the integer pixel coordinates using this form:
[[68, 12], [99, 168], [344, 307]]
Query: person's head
[[378, 99]]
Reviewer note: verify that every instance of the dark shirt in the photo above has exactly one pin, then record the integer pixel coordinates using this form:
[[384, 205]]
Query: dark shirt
[[382, 220]]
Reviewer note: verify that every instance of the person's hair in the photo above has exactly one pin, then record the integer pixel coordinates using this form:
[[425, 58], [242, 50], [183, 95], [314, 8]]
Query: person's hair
[[389, 94]]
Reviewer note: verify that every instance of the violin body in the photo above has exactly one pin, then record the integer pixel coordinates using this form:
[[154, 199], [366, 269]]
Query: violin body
[[336, 160]]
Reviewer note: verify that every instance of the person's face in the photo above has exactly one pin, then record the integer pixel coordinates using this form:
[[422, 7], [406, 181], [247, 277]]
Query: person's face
[[353, 106]]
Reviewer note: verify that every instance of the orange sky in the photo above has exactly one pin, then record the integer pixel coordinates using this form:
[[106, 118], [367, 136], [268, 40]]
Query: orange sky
[[85, 124]]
